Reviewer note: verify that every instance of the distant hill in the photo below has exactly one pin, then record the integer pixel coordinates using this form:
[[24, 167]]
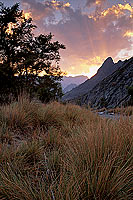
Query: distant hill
[[69, 87], [76, 80], [107, 68], [113, 90]]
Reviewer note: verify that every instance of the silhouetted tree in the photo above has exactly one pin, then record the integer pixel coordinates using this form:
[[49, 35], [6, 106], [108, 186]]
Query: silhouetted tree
[[26, 61], [49, 89]]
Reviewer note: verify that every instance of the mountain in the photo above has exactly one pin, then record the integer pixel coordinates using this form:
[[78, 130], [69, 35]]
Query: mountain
[[67, 80], [107, 68], [113, 90], [69, 87]]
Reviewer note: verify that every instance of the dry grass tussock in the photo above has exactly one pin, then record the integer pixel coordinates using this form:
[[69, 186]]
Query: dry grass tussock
[[128, 111], [65, 152], [125, 111]]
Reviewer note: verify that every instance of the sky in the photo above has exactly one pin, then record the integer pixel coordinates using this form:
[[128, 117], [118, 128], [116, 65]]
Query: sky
[[91, 30]]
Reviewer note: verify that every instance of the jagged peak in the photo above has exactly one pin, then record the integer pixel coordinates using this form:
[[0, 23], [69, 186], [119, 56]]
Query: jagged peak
[[108, 60], [106, 65]]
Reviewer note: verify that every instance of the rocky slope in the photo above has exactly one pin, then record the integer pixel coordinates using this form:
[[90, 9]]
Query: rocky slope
[[106, 69], [112, 91]]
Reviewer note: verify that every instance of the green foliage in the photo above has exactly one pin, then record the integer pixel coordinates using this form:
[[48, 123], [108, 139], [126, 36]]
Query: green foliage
[[24, 56], [49, 89]]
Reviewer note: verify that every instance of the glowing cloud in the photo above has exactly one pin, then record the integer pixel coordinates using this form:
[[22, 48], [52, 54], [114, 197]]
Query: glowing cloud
[[90, 35], [96, 60], [97, 2], [128, 34], [117, 9], [125, 7], [67, 4], [57, 4], [42, 10]]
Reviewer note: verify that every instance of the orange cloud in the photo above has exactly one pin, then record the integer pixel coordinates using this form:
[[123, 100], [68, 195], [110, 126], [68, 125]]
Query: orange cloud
[[128, 34], [125, 7], [45, 9], [96, 60], [117, 10], [98, 2], [58, 4], [84, 67], [92, 2], [90, 39]]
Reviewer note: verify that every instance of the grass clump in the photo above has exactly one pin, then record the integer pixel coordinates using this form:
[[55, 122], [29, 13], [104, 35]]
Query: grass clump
[[123, 111], [57, 151], [128, 111]]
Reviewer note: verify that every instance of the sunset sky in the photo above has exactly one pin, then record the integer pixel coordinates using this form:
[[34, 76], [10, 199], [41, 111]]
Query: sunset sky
[[91, 30]]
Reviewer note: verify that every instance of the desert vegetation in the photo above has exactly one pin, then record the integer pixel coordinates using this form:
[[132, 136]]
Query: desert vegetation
[[55, 151]]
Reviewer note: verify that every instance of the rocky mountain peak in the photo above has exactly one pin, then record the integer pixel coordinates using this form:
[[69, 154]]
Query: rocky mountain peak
[[107, 65], [107, 68], [119, 61], [112, 91], [109, 59]]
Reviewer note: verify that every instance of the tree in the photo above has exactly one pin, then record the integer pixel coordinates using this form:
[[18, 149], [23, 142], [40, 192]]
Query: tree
[[28, 61], [49, 89]]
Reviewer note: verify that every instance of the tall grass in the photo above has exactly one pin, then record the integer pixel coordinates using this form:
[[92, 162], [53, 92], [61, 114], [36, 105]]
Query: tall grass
[[125, 111], [57, 151]]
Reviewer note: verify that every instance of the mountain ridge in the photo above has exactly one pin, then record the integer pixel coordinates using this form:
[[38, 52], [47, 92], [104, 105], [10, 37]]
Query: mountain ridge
[[113, 90], [107, 68], [69, 87], [67, 80]]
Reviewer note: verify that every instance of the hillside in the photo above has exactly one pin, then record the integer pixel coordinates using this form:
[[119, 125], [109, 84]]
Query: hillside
[[77, 80], [113, 90], [55, 151], [106, 69], [69, 87]]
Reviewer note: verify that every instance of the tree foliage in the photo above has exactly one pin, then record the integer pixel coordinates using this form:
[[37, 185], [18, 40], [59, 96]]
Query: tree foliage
[[27, 61]]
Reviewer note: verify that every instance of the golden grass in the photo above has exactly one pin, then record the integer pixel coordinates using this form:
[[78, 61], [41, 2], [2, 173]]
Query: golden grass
[[126, 111], [57, 151]]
